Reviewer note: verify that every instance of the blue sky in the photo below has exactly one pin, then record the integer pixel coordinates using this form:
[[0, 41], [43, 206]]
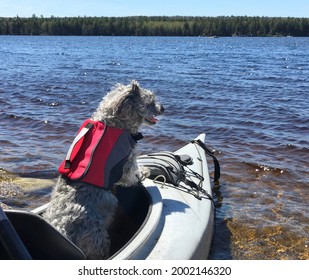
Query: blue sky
[[61, 8]]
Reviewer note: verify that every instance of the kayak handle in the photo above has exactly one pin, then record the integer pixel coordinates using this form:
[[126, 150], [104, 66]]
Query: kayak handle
[[211, 154]]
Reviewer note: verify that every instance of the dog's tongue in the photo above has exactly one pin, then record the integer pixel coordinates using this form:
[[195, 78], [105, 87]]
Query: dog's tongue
[[153, 120]]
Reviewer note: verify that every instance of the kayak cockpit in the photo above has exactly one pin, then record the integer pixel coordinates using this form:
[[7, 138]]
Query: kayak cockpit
[[43, 241], [132, 212]]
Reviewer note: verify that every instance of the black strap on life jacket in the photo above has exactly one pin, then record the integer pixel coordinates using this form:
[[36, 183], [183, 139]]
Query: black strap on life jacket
[[137, 136]]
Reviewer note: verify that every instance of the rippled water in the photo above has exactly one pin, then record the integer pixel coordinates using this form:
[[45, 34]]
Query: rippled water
[[250, 96]]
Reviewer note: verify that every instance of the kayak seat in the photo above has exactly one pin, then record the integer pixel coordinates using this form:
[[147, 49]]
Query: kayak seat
[[42, 240]]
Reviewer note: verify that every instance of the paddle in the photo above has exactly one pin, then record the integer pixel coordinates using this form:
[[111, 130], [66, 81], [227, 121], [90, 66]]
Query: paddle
[[10, 240]]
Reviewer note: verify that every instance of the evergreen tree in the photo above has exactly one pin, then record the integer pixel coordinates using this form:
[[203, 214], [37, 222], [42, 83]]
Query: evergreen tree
[[156, 26]]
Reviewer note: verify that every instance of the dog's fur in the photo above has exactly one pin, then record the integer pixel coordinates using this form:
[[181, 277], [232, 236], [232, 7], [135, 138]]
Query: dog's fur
[[83, 212]]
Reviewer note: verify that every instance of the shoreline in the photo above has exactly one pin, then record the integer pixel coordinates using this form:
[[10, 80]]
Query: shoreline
[[23, 192]]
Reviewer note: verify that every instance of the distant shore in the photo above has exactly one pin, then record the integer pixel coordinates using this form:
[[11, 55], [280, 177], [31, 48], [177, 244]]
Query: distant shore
[[221, 26]]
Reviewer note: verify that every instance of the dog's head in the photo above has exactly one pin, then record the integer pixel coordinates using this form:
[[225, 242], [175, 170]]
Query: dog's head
[[128, 107]]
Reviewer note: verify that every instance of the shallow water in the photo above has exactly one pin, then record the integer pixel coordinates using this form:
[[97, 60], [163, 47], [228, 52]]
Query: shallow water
[[250, 96]]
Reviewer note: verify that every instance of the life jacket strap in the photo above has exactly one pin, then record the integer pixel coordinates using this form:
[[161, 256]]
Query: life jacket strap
[[137, 136], [79, 136]]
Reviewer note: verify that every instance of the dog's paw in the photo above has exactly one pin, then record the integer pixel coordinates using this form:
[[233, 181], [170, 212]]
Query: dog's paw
[[129, 179], [144, 172], [134, 178]]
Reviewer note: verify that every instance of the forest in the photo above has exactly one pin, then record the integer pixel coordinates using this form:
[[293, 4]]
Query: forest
[[156, 26]]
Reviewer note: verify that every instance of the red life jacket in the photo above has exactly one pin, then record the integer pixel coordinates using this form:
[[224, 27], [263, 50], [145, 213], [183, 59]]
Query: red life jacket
[[98, 154]]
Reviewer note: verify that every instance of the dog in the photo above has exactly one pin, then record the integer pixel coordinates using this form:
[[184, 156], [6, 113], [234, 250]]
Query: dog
[[83, 212]]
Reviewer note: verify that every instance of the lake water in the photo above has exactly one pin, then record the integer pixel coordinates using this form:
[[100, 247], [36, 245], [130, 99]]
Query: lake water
[[249, 95]]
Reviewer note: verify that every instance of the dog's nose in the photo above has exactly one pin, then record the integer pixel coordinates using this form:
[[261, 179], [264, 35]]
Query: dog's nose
[[162, 109]]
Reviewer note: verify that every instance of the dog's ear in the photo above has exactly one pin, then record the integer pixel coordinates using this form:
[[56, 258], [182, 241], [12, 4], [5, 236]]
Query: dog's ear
[[134, 87], [126, 100]]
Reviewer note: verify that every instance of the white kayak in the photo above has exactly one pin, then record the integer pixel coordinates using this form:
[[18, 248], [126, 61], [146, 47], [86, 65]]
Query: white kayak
[[166, 218]]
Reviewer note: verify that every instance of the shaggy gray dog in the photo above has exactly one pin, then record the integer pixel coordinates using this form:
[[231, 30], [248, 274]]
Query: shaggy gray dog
[[83, 212]]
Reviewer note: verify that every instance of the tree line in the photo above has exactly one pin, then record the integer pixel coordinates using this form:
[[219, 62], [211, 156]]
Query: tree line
[[156, 26]]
